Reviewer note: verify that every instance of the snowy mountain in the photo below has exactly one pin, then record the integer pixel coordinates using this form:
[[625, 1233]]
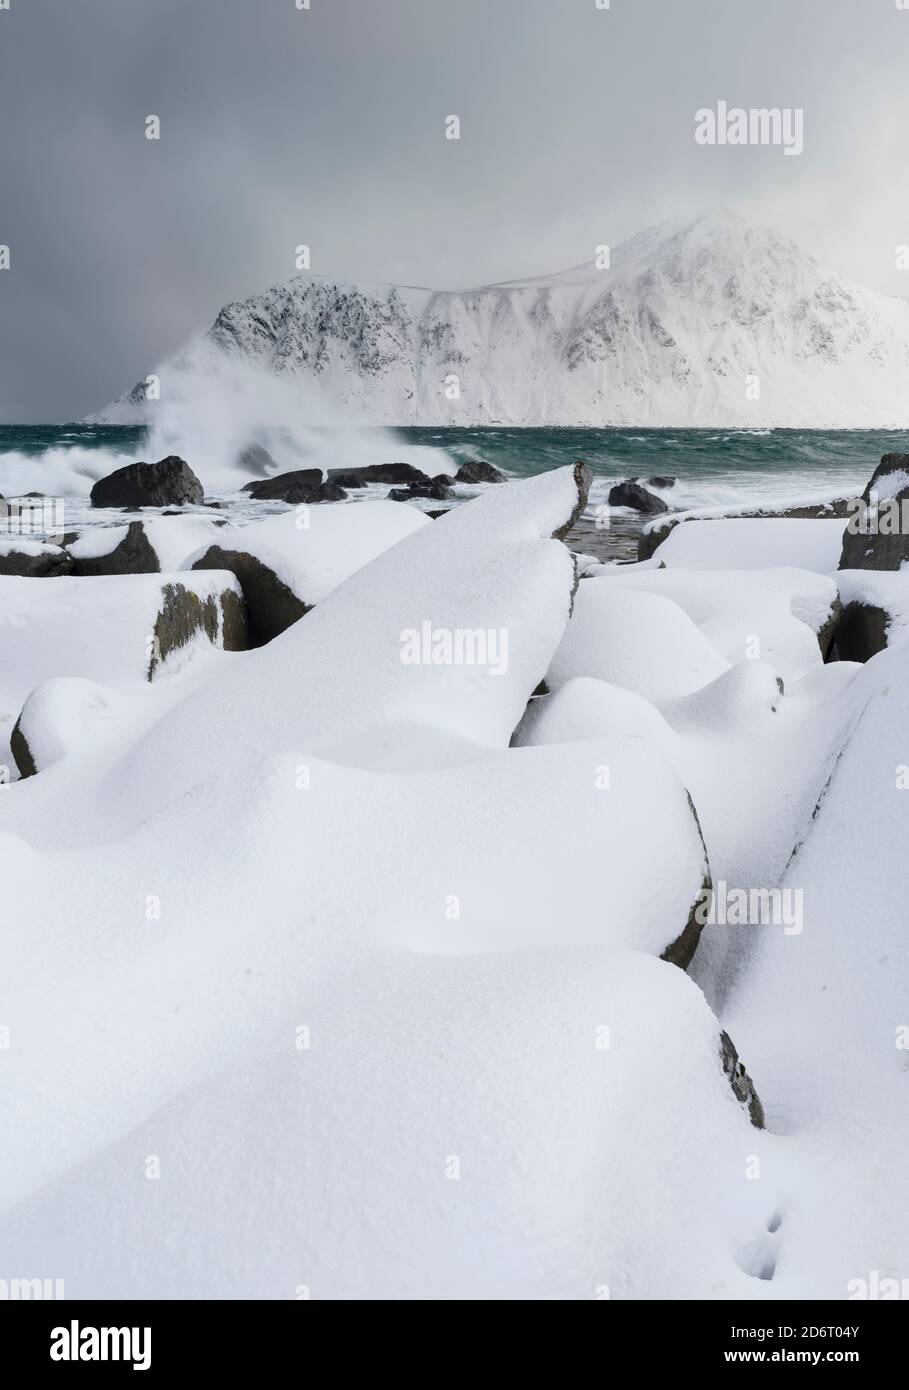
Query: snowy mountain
[[667, 335]]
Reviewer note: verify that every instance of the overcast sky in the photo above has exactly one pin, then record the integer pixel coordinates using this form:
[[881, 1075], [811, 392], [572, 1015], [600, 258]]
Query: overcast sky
[[282, 126]]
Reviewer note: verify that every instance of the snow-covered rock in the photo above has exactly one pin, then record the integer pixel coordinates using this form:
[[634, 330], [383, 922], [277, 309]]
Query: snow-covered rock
[[638, 640], [31, 559], [785, 617], [288, 563], [667, 335], [109, 629], [148, 546], [747, 543]]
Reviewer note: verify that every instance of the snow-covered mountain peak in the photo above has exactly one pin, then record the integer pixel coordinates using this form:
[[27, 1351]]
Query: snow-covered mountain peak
[[710, 321]]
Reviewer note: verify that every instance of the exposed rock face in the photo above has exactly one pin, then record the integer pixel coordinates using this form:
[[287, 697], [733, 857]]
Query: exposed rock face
[[861, 632], [21, 752], [829, 629], [34, 562], [183, 614], [583, 477], [433, 491], [255, 459], [479, 472], [304, 485], [681, 951], [168, 483], [740, 1081], [377, 473], [134, 555], [886, 547], [272, 606], [632, 494]]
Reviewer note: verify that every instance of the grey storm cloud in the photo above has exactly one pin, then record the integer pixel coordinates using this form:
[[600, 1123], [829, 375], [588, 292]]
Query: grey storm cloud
[[282, 125]]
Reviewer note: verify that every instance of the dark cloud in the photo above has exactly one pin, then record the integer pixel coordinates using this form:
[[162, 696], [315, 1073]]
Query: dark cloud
[[325, 126]]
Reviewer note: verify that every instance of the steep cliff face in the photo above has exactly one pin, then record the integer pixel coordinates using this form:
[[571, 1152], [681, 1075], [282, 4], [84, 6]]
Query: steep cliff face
[[666, 336]]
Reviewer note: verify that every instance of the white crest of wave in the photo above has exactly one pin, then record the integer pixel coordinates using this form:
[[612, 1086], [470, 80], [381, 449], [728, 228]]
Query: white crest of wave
[[212, 407]]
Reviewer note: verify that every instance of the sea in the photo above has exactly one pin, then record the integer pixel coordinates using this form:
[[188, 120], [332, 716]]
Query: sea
[[714, 468]]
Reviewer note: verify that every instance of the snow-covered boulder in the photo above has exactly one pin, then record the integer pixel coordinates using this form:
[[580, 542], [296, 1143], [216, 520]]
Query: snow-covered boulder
[[520, 1126], [31, 559], [149, 546], [288, 563], [782, 616], [748, 543], [821, 1015], [641, 641], [110, 629]]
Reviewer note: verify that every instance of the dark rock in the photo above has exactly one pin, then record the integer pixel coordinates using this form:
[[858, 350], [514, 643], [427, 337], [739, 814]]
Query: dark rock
[[433, 490], [631, 494], [134, 555], [272, 607], [168, 483], [50, 564], [255, 459], [479, 472], [583, 477], [293, 488], [887, 548], [658, 480], [184, 613], [22, 754], [861, 632], [275, 489], [441, 511], [377, 473], [681, 951], [828, 629], [740, 1081]]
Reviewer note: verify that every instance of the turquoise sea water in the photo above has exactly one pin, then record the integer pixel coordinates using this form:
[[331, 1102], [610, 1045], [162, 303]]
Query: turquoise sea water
[[714, 467]]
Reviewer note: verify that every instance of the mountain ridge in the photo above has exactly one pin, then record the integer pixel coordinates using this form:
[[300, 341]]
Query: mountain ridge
[[668, 335]]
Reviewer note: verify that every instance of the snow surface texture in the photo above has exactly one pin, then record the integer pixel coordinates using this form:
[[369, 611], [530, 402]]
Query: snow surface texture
[[313, 549], [343, 980], [745, 543], [666, 336]]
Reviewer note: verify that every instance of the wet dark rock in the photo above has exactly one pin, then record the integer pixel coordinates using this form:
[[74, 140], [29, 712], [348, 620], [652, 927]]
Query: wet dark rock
[[633, 495], [287, 487], [255, 459], [168, 483], [479, 472], [391, 473], [433, 491]]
